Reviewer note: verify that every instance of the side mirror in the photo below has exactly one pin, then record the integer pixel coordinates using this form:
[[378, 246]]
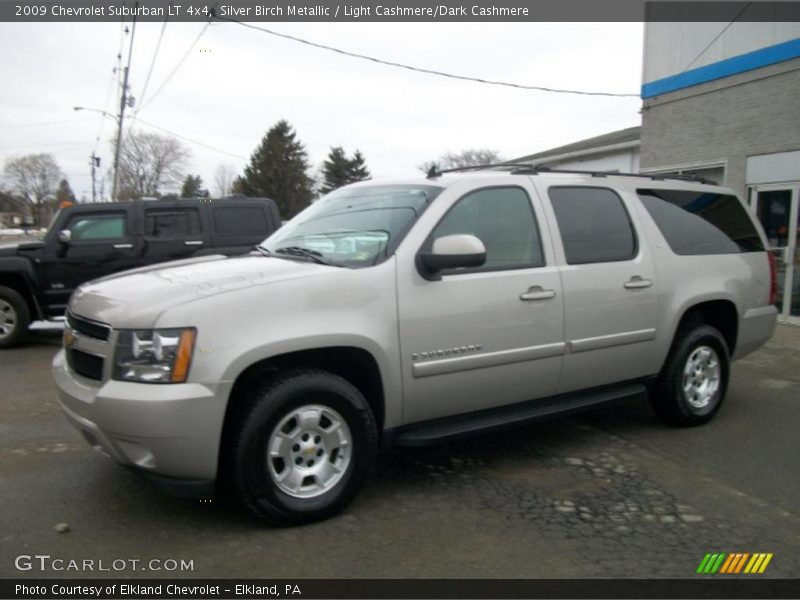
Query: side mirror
[[451, 252], [65, 236]]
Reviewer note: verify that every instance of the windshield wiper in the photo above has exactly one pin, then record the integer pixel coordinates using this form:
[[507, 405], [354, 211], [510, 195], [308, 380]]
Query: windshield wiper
[[311, 255], [262, 250]]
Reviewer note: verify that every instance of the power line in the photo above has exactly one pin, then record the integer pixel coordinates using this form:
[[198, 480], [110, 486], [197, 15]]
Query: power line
[[58, 144], [184, 138], [390, 63], [105, 105], [178, 66], [153, 61], [719, 35], [44, 123]]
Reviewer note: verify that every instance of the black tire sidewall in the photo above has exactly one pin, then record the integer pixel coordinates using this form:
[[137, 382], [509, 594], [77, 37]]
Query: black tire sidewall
[[260, 493], [690, 340], [23, 316]]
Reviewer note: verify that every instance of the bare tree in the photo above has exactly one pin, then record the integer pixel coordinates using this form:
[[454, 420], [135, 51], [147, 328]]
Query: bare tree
[[223, 180], [147, 163], [34, 178], [472, 157]]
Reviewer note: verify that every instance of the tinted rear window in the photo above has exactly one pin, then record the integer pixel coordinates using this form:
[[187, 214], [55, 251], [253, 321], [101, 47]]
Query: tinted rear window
[[240, 220], [594, 225], [701, 222], [171, 222]]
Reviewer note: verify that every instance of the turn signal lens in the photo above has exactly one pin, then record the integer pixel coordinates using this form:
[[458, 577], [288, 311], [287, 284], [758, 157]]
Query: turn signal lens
[[184, 356]]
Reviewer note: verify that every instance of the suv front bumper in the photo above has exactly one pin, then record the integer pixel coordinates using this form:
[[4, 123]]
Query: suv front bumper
[[167, 432]]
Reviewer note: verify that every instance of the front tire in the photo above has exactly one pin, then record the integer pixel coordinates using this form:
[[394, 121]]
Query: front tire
[[14, 318], [303, 449], [691, 387]]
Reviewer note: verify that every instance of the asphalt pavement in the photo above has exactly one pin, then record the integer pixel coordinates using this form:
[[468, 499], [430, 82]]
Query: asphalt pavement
[[610, 493]]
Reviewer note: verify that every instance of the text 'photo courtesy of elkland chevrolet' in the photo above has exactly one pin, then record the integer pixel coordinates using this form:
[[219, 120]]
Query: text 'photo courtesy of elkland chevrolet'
[[409, 312]]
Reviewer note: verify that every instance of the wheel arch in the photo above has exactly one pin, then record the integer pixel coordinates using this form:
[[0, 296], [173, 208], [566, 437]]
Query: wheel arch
[[720, 313], [355, 364], [20, 281]]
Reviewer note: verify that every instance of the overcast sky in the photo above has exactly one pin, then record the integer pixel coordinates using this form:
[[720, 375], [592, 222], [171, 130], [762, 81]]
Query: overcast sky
[[237, 83]]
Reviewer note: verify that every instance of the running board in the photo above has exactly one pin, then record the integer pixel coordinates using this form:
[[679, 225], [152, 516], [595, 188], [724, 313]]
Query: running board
[[494, 419]]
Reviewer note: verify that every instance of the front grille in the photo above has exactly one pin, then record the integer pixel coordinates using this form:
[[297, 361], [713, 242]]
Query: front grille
[[87, 365], [88, 328]]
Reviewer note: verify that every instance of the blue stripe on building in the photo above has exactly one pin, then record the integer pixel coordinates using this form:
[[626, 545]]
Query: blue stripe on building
[[724, 68]]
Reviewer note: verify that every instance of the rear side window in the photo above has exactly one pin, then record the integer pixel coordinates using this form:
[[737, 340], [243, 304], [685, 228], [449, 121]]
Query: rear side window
[[240, 220], [171, 222], [594, 225], [701, 222]]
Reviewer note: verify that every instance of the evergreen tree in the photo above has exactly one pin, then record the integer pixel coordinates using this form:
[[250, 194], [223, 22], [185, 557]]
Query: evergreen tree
[[358, 168], [64, 193], [193, 187], [338, 170], [335, 170], [278, 169]]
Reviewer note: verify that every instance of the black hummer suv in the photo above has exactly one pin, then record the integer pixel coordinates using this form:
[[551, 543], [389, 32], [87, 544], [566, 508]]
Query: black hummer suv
[[87, 241]]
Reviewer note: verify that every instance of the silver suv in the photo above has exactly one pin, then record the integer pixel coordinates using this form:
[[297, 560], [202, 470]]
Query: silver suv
[[409, 312]]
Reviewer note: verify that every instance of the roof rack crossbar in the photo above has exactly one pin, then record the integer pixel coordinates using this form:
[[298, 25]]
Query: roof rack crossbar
[[434, 171]]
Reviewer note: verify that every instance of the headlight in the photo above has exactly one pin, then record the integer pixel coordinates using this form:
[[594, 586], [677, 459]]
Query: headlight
[[154, 356]]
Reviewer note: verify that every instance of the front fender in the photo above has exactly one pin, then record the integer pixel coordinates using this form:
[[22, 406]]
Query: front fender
[[22, 269]]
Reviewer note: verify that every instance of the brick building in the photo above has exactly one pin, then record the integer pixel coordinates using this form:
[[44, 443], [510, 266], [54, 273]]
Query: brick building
[[722, 100]]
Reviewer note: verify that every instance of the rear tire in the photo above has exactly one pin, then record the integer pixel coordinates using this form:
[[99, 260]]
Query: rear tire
[[15, 316], [303, 449], [691, 387]]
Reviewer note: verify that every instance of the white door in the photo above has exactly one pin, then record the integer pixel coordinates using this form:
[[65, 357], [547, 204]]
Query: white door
[[610, 289], [777, 208]]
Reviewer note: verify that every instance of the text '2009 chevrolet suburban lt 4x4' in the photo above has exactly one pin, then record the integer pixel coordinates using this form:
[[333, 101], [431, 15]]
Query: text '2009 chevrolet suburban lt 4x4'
[[407, 312]]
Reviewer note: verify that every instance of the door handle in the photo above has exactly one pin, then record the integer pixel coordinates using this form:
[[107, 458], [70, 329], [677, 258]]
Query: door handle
[[123, 246], [193, 243], [637, 283], [535, 292]]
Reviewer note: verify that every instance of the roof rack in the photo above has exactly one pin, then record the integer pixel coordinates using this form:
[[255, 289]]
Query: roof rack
[[528, 169], [536, 169], [434, 171]]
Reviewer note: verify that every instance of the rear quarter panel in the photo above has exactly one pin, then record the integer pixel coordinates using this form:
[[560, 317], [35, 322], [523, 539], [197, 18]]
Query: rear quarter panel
[[684, 281]]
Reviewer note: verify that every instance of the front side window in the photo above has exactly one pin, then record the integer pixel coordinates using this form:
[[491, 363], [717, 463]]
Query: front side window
[[97, 227], [594, 225], [503, 219], [701, 222], [353, 227]]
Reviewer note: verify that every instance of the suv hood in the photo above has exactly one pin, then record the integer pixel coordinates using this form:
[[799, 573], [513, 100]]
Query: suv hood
[[136, 298]]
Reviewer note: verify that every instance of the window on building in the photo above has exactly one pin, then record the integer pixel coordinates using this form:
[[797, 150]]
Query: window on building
[[700, 222], [503, 219], [171, 222], [594, 225], [97, 227], [240, 220]]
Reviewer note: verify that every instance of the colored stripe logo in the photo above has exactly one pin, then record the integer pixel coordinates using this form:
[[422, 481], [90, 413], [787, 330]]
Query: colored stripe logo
[[734, 563]]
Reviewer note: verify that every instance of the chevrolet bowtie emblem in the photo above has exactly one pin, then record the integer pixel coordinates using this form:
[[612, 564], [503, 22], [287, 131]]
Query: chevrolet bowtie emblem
[[69, 338]]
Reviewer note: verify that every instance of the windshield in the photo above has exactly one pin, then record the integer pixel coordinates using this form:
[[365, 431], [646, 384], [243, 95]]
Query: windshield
[[353, 227]]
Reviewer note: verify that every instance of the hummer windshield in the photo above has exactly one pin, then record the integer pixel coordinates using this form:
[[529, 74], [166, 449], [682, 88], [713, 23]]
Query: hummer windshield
[[352, 227]]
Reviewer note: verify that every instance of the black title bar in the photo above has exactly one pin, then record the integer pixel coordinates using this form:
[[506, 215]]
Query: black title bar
[[395, 10]]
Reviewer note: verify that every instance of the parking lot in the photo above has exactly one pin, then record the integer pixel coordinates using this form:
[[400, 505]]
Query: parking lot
[[610, 493]]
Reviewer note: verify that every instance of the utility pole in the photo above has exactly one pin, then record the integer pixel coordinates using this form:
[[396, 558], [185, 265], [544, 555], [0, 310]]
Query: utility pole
[[95, 162], [123, 102]]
